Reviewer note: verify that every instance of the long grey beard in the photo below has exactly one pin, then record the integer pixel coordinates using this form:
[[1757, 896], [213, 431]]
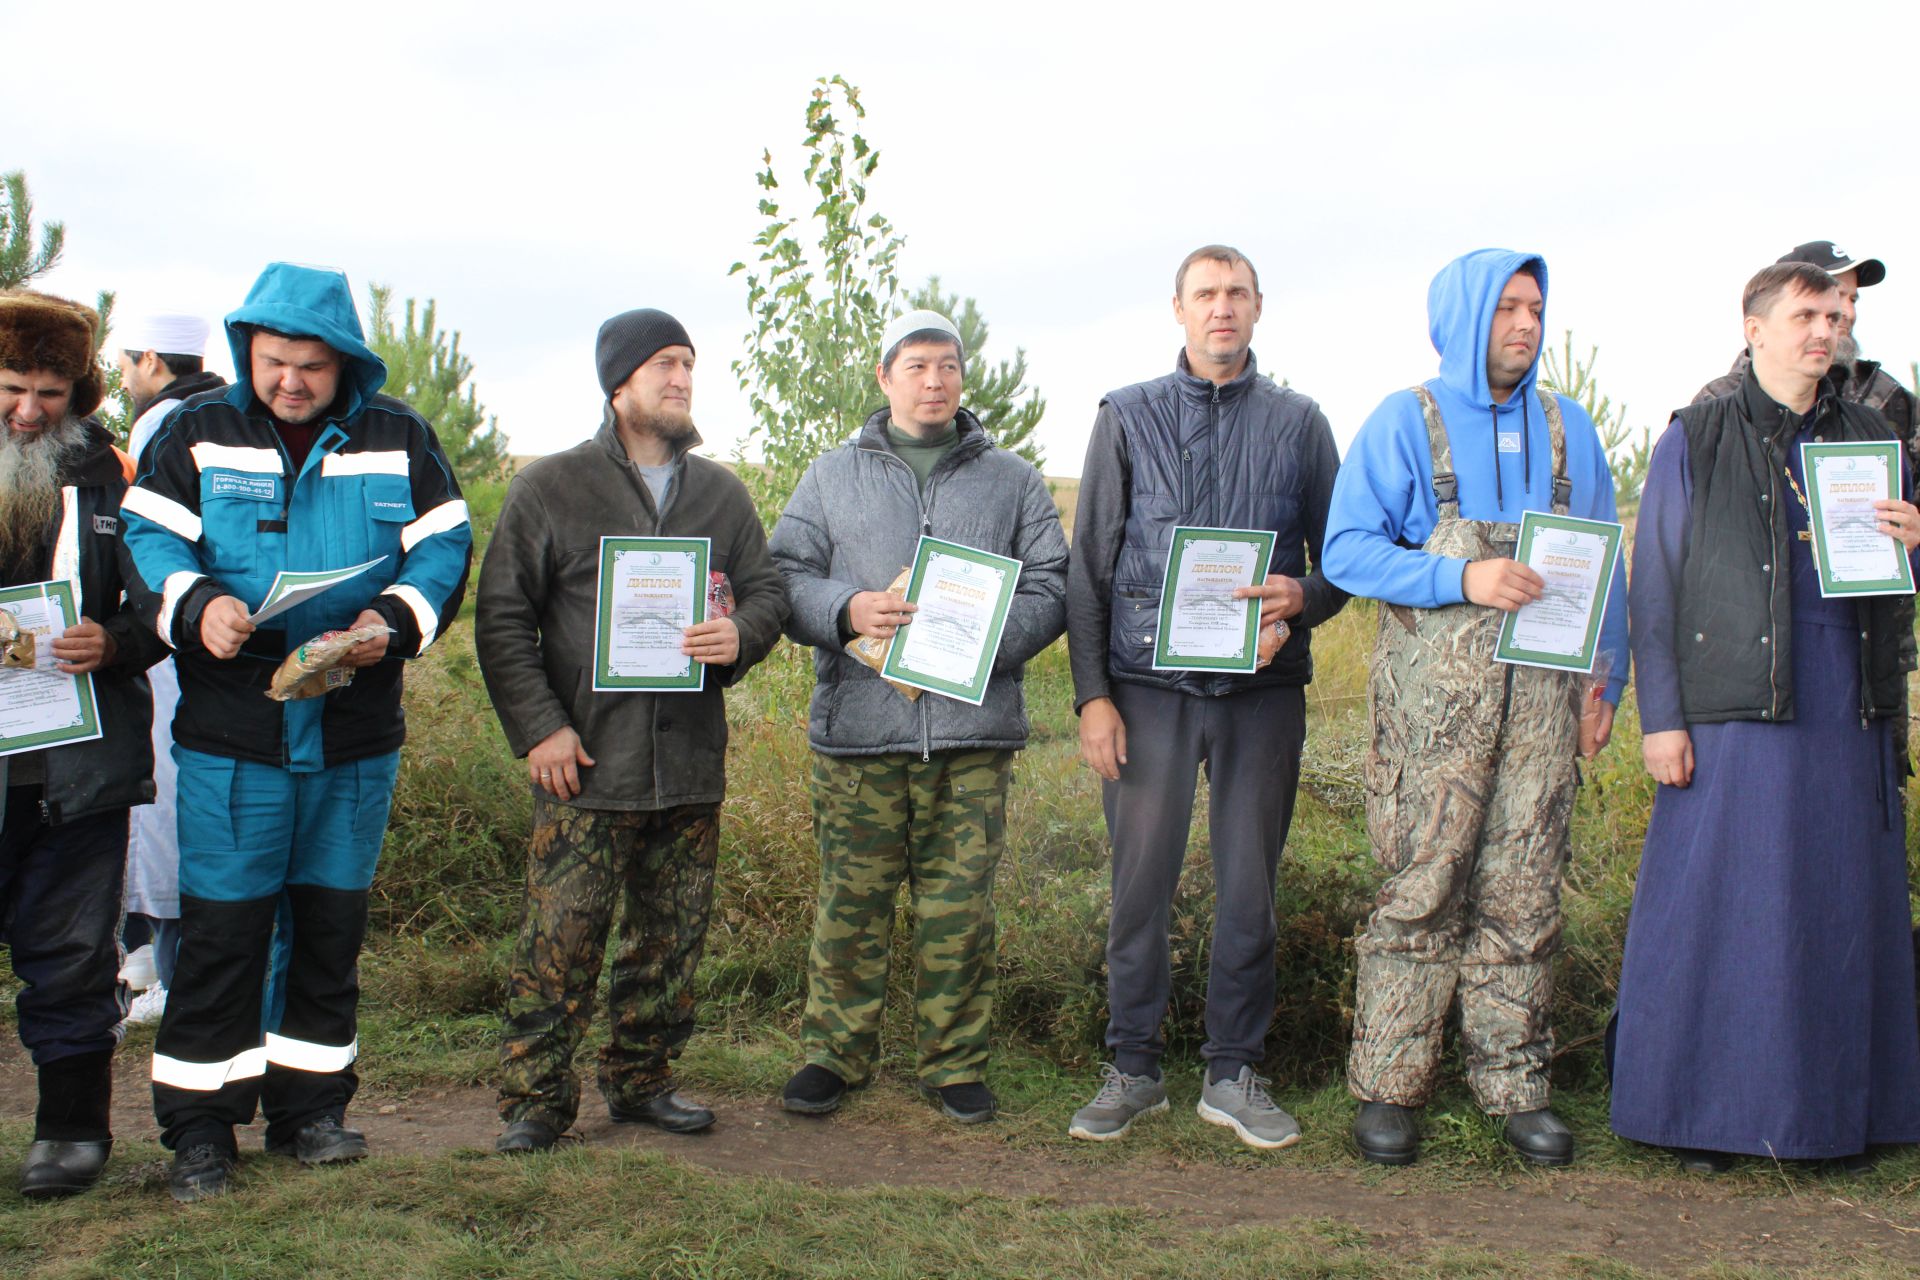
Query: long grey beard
[[30, 483]]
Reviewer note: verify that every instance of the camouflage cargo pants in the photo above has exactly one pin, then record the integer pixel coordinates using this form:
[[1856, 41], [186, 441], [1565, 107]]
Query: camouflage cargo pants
[[1470, 788], [937, 825], [580, 863]]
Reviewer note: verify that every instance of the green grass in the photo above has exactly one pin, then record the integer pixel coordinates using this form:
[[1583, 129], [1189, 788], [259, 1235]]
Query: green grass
[[587, 1212]]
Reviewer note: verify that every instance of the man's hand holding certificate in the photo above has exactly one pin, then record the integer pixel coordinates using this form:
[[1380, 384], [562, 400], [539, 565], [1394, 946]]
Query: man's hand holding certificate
[[1574, 560], [650, 632], [1209, 612], [956, 608], [1862, 531], [46, 689]]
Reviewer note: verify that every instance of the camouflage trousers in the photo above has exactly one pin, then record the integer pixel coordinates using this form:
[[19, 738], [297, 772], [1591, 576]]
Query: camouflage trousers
[[938, 825], [1470, 787], [580, 863]]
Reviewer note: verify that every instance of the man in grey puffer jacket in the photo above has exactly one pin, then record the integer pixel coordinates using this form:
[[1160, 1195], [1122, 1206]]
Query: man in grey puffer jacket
[[903, 789]]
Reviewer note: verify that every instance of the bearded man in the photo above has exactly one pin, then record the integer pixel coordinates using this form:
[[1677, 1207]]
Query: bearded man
[[63, 836], [626, 785]]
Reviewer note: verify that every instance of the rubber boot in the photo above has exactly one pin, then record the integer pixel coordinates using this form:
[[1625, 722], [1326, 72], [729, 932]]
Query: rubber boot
[[72, 1137]]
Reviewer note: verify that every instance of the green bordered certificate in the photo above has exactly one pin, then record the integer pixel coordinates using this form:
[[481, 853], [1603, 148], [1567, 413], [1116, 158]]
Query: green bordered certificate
[[1562, 628], [1843, 482], [41, 705], [949, 647], [651, 589], [1202, 627]]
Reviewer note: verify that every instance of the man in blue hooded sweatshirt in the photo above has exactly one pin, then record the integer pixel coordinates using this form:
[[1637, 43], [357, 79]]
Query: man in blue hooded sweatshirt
[[1470, 779], [299, 466]]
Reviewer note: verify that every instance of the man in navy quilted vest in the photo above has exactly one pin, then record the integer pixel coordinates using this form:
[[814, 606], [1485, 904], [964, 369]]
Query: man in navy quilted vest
[[1217, 444], [303, 466]]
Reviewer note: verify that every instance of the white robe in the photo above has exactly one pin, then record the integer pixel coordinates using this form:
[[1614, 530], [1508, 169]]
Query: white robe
[[153, 837]]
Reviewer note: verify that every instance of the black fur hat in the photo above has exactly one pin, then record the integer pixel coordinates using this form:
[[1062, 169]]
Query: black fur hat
[[42, 333]]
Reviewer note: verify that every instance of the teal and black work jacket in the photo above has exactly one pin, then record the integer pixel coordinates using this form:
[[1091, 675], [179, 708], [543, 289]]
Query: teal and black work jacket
[[217, 508]]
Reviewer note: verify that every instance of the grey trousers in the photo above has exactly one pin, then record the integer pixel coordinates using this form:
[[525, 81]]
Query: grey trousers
[[1250, 744]]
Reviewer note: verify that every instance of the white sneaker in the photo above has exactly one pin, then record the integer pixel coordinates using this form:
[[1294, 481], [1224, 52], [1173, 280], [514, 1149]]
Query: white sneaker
[[148, 1005], [139, 971]]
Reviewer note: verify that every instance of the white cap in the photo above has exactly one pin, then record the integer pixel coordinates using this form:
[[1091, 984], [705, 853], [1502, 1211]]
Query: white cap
[[173, 333], [916, 322]]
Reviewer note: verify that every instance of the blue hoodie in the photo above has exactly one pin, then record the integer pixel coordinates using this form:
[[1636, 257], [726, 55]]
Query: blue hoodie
[[305, 302], [1383, 501]]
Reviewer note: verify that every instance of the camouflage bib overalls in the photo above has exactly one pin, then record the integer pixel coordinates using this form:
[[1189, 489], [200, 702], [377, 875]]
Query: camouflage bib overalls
[[1470, 785]]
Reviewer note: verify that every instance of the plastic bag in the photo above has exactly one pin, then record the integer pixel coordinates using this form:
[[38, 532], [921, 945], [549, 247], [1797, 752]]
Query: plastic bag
[[16, 643], [314, 668], [873, 650], [1272, 640]]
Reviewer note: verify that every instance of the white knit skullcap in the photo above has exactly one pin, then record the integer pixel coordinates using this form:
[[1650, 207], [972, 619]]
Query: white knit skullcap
[[172, 333], [916, 322]]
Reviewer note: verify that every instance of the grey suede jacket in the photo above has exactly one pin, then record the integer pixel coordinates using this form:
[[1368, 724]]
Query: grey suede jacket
[[534, 622], [852, 525]]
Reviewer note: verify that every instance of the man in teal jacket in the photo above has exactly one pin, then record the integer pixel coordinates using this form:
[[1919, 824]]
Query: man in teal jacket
[[302, 466]]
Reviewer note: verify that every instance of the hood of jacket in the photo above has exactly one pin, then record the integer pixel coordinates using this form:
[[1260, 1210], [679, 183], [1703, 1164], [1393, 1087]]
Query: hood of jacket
[[1460, 306], [306, 302]]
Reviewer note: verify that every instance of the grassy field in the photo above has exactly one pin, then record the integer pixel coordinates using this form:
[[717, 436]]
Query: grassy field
[[445, 907]]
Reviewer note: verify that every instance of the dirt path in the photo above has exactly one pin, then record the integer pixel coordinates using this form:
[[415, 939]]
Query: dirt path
[[1658, 1225]]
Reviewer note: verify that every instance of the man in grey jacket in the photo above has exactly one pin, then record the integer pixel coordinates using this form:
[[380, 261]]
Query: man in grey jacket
[[626, 786], [910, 789], [1213, 444]]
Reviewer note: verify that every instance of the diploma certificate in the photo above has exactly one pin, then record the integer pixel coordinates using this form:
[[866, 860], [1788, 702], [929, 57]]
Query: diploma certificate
[[1562, 628], [1843, 482], [290, 589], [1202, 627], [949, 647], [651, 590], [41, 705]]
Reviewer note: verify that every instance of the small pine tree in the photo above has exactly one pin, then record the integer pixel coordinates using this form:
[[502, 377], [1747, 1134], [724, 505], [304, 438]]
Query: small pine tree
[[21, 261], [997, 394], [1573, 378], [428, 372]]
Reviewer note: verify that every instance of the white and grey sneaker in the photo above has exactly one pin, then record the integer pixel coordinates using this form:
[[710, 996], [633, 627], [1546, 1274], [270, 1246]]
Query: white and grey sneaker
[[148, 1005], [1242, 1105], [1121, 1098]]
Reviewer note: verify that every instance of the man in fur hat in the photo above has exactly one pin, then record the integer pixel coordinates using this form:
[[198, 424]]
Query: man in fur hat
[[63, 829]]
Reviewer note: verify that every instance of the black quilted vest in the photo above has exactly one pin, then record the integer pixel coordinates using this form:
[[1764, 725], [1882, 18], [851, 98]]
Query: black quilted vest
[[1736, 612]]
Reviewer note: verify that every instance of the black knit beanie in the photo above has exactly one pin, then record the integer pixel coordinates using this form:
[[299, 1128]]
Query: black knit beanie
[[629, 340]]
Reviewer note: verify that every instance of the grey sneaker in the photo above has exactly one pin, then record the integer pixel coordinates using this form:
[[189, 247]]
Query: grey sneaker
[[1242, 1105], [1121, 1098]]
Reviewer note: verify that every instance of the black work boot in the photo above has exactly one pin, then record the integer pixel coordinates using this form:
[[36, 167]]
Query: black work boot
[[668, 1111], [322, 1140], [1541, 1137], [525, 1136], [202, 1165], [1387, 1133], [72, 1136], [61, 1168]]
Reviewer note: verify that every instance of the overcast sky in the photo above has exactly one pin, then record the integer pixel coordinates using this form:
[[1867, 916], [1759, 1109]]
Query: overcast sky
[[538, 172]]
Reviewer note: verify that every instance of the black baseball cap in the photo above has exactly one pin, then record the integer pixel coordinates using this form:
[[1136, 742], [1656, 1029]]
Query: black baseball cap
[[1832, 259]]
